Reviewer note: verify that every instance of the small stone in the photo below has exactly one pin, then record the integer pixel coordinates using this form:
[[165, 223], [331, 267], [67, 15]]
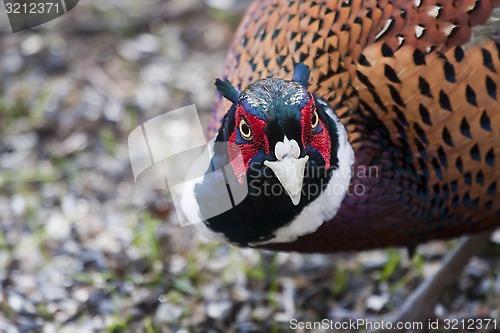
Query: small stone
[[177, 264], [210, 291], [144, 295], [58, 46], [439, 310], [57, 227], [91, 104], [485, 288], [477, 268], [16, 302], [71, 247], [434, 250], [25, 283], [53, 293], [261, 313], [373, 260], [147, 43], [31, 45], [105, 307], [134, 50], [74, 142], [496, 237], [23, 142], [12, 62], [113, 111], [81, 294], [221, 4], [497, 285], [240, 293], [27, 325], [167, 312], [18, 205], [430, 269], [244, 314], [93, 258], [49, 328], [219, 309], [67, 309]]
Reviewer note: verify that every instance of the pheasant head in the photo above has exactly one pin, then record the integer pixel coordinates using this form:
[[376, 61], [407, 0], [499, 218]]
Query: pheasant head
[[289, 151]]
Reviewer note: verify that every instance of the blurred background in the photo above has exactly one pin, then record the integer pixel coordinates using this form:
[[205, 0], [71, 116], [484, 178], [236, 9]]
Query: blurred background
[[85, 249]]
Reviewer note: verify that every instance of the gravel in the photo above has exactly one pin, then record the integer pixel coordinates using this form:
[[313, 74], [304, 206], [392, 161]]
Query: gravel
[[83, 248]]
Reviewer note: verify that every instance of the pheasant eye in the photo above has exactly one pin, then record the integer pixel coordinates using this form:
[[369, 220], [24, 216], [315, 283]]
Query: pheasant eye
[[314, 119], [245, 130]]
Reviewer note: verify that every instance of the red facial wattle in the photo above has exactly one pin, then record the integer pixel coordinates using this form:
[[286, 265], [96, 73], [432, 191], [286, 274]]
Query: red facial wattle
[[247, 149], [318, 138]]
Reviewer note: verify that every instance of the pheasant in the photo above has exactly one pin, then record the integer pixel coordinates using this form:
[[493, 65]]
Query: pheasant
[[356, 125]]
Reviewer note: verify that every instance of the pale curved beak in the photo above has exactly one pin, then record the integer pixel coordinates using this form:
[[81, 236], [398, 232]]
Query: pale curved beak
[[289, 168]]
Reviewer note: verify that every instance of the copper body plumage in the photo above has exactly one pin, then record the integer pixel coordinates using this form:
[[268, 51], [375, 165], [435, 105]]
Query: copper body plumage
[[417, 85]]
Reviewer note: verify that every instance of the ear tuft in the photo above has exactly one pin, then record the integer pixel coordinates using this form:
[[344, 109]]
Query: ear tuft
[[227, 90], [301, 74]]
